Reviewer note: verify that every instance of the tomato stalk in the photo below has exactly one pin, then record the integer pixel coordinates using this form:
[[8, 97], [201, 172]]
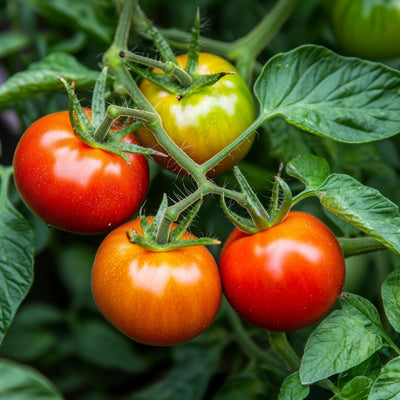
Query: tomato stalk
[[284, 350], [248, 346], [243, 51], [152, 120], [168, 67]]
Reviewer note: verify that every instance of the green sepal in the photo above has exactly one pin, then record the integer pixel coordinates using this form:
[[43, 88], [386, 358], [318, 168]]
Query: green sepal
[[192, 65], [160, 219], [79, 120], [124, 147], [283, 209], [185, 223], [117, 135], [98, 98], [161, 226], [146, 227], [162, 45], [243, 223], [256, 210], [164, 81], [95, 133], [134, 237], [202, 81]]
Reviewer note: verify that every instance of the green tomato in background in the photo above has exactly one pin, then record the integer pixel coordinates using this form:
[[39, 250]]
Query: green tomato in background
[[367, 28]]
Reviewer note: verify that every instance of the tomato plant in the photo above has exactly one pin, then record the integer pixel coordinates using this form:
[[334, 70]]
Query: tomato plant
[[73, 186], [158, 298], [325, 133], [205, 121], [367, 28], [284, 278]]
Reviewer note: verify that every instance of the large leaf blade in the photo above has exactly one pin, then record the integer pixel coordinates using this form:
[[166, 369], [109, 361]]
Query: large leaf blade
[[20, 382], [16, 256], [345, 99], [42, 76], [362, 206], [344, 339]]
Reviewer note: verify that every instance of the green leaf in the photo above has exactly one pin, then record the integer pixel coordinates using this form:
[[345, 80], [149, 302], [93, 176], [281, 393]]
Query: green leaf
[[12, 42], [195, 363], [292, 388], [391, 298], [101, 345], [19, 382], [247, 384], [362, 206], [86, 16], [42, 76], [370, 368], [16, 255], [387, 386], [356, 389], [345, 99], [32, 334], [310, 169], [74, 263], [343, 340]]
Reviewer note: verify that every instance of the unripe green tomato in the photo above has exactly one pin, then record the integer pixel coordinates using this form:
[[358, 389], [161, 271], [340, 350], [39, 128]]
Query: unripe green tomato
[[204, 122], [367, 28]]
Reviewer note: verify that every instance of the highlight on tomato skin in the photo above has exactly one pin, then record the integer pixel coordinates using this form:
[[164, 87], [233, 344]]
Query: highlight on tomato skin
[[204, 122], [155, 298], [285, 278], [75, 187]]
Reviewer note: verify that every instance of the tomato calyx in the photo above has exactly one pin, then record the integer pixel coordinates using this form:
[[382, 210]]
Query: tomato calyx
[[159, 235], [167, 74], [260, 218], [93, 125]]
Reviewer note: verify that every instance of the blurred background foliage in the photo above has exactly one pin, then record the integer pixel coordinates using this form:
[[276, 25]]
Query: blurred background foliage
[[58, 329]]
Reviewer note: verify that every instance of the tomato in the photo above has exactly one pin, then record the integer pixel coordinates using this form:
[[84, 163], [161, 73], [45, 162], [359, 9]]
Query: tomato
[[157, 298], [204, 122], [284, 278], [367, 28], [73, 186]]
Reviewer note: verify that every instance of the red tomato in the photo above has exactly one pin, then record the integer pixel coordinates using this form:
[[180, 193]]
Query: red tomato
[[157, 298], [73, 186], [284, 278]]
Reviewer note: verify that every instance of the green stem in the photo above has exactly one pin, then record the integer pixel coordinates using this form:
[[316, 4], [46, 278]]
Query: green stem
[[167, 67], [123, 29], [246, 343], [301, 196], [247, 49], [359, 245], [243, 51], [391, 343], [284, 350], [212, 162]]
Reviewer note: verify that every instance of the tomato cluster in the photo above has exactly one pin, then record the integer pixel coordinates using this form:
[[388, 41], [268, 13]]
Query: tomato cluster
[[284, 278]]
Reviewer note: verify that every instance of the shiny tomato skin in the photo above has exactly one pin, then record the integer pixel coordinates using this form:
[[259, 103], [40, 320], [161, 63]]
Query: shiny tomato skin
[[367, 28], [202, 123], [72, 186], [156, 298], [284, 278]]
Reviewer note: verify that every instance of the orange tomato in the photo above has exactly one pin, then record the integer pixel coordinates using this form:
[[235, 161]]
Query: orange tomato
[[157, 298]]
